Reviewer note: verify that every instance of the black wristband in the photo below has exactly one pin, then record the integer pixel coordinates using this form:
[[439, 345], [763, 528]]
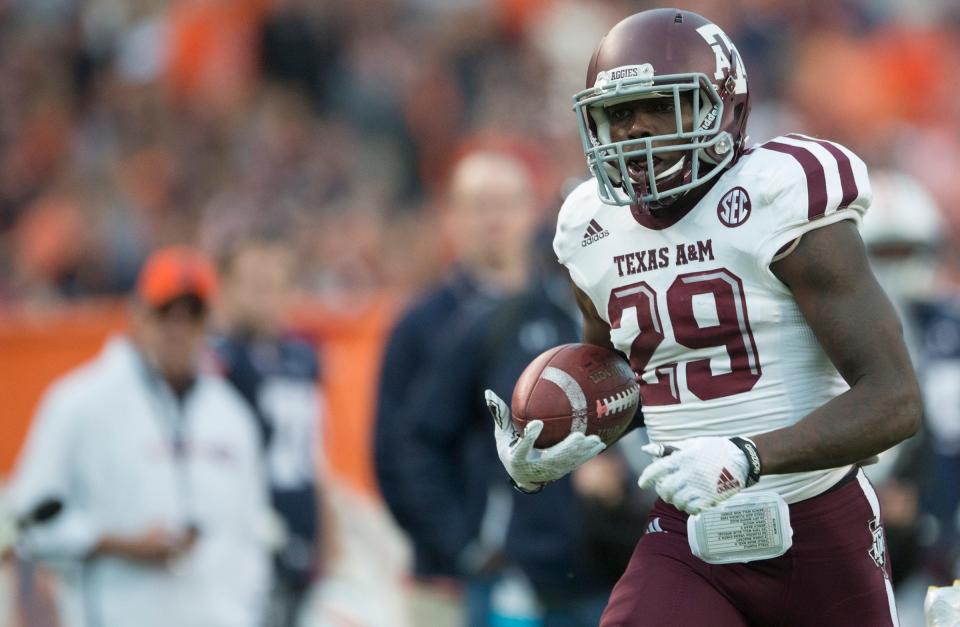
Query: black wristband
[[749, 449], [517, 487]]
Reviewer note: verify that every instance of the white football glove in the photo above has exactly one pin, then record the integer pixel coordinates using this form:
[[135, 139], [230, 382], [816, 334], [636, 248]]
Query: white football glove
[[695, 474], [531, 468]]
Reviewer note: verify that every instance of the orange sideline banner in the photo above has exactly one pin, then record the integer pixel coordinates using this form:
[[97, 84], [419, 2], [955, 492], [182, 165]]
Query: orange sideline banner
[[37, 347]]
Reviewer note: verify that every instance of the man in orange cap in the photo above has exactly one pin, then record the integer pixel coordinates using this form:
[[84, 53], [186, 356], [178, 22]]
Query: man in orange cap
[[158, 469], [173, 295]]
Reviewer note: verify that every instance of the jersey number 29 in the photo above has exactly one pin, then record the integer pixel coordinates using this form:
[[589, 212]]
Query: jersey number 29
[[731, 330]]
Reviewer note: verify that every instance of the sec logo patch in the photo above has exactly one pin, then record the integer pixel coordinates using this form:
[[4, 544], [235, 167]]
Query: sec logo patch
[[734, 208]]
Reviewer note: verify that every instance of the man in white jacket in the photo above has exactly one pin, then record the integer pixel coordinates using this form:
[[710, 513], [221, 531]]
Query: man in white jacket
[[158, 469]]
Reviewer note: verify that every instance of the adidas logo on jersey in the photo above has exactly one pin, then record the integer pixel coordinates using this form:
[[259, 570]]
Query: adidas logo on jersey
[[727, 482], [594, 233]]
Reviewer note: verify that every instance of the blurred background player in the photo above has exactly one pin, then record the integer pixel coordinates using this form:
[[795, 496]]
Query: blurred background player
[[158, 469], [906, 252], [905, 247], [490, 214], [276, 373]]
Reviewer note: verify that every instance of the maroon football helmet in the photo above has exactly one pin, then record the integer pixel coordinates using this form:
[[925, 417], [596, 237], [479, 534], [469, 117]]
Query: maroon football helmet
[[656, 54]]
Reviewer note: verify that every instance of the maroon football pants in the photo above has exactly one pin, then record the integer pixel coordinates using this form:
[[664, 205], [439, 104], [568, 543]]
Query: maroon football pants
[[837, 572]]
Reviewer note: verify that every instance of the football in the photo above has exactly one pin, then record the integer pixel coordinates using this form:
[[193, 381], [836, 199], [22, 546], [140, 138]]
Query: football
[[576, 387]]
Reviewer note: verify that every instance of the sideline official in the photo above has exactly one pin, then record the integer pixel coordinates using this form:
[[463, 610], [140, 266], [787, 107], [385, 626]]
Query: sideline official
[[158, 469]]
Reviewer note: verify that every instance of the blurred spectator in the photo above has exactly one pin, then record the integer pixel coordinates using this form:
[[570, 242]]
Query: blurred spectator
[[939, 320], [158, 471], [490, 215], [276, 374], [302, 43]]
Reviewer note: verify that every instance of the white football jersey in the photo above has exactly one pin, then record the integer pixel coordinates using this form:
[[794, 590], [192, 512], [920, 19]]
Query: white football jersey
[[718, 341]]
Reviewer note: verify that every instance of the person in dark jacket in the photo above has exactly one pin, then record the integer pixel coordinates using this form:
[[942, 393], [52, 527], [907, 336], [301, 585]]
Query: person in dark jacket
[[563, 558], [490, 214]]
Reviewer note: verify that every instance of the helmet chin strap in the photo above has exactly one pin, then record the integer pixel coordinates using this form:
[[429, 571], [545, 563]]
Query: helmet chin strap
[[669, 199]]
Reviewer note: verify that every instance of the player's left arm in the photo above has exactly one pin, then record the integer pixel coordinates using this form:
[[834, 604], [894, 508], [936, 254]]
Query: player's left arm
[[857, 327], [859, 331]]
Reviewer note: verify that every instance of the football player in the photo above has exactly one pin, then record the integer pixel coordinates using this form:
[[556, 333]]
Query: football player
[[276, 373], [734, 279]]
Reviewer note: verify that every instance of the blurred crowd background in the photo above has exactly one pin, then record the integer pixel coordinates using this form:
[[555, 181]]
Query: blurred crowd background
[[128, 125]]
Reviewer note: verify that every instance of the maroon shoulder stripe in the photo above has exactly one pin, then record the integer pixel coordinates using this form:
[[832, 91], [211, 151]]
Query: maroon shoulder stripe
[[848, 184], [816, 179]]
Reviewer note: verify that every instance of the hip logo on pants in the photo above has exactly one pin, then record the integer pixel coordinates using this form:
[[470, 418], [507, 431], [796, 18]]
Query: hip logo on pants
[[877, 549]]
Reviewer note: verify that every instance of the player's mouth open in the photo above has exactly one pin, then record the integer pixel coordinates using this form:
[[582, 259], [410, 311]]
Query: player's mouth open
[[638, 167]]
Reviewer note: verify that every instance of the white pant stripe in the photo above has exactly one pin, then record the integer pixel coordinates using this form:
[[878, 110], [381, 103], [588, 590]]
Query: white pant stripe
[[871, 495]]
